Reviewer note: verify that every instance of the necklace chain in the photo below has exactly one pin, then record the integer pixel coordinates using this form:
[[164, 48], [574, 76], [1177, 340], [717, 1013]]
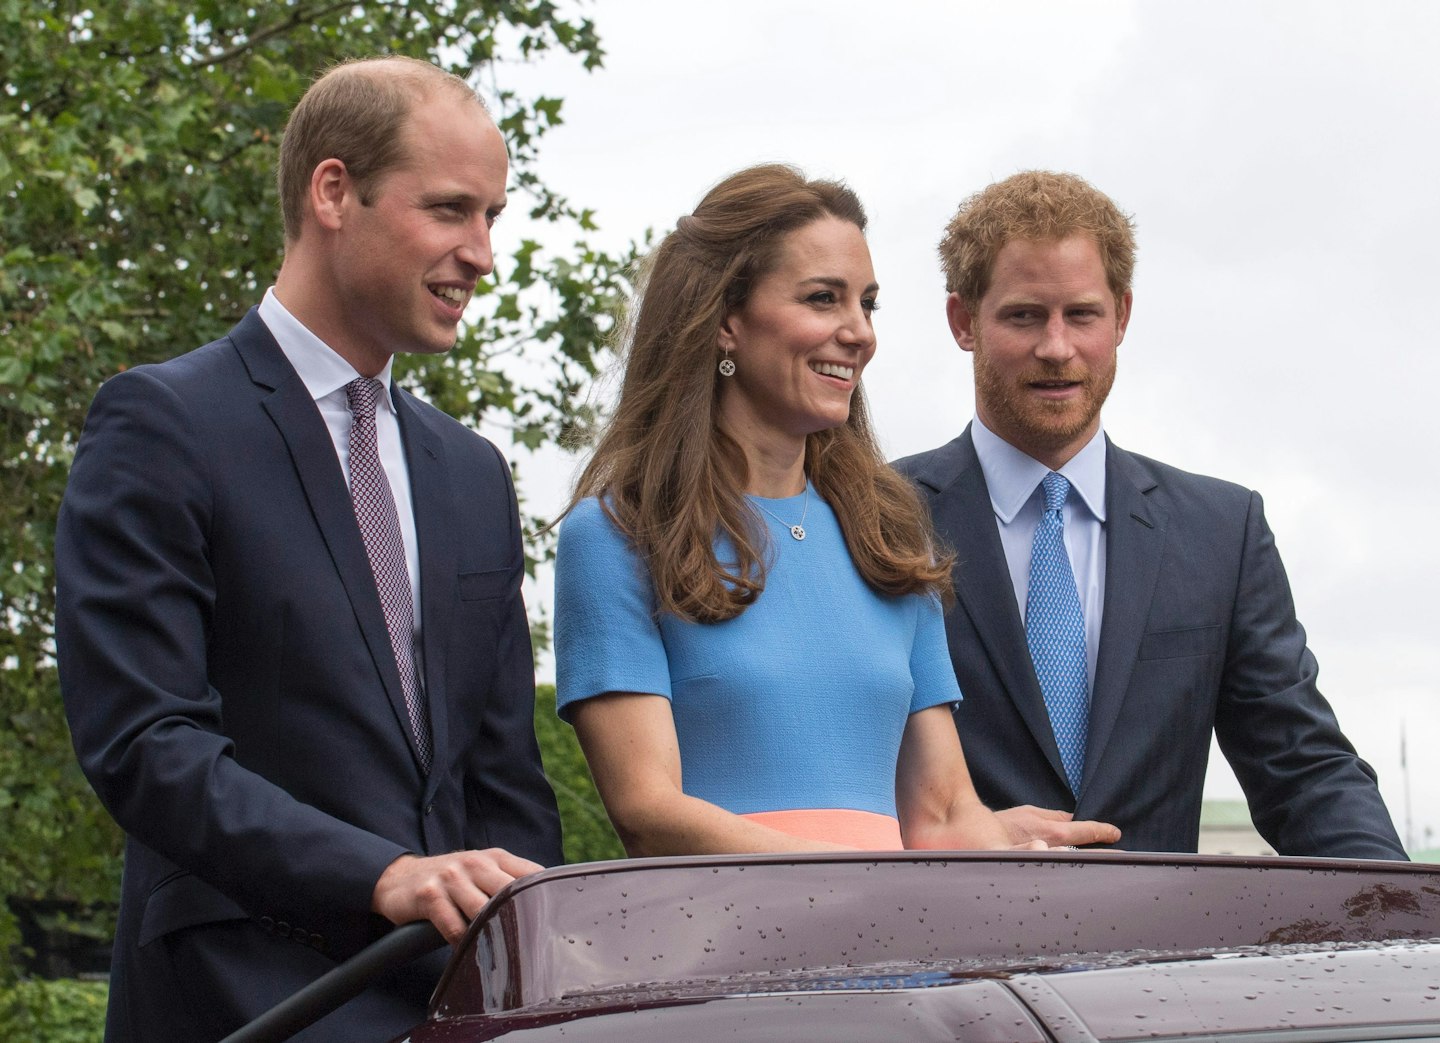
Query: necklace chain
[[797, 531]]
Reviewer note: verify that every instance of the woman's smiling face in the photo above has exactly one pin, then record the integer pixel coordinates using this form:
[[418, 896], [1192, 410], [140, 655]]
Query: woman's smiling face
[[802, 338]]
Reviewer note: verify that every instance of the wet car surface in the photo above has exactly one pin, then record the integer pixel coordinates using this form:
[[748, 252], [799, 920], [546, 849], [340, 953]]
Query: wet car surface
[[1044, 946]]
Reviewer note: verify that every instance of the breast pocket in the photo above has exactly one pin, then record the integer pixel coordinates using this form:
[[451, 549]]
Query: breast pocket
[[1181, 644], [485, 586]]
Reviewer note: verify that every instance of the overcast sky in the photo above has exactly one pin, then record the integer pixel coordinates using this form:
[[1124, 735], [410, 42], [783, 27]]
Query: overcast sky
[[1281, 161]]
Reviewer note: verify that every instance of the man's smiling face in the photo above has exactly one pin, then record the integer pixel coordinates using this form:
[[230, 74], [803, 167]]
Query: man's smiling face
[[407, 259], [1044, 338]]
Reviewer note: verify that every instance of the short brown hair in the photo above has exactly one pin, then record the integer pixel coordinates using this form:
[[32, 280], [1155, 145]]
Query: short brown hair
[[1033, 205], [355, 113]]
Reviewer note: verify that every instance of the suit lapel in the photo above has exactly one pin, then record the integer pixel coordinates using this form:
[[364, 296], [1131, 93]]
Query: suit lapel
[[312, 451], [984, 591], [1134, 542], [438, 559]]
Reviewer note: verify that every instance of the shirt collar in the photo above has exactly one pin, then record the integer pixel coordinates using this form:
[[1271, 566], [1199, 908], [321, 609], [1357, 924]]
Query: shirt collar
[[321, 369], [1011, 476]]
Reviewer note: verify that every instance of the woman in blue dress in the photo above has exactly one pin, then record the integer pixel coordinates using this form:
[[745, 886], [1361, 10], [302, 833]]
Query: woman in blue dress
[[748, 623]]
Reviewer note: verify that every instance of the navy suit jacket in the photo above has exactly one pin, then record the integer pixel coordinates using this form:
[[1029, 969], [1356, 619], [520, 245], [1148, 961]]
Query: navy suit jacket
[[234, 700], [1199, 635]]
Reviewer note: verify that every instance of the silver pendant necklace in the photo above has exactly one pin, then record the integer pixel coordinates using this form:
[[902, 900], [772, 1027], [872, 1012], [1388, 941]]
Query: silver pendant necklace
[[797, 531]]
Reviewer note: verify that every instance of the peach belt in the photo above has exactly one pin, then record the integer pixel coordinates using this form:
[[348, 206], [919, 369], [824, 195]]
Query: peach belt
[[863, 830]]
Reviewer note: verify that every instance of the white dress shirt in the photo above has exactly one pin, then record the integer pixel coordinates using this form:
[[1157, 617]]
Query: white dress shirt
[[325, 374], [1015, 494]]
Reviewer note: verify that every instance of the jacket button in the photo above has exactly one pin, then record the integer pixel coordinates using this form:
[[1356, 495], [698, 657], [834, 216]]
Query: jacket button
[[300, 935], [268, 924], [429, 808], [282, 929], [317, 942]]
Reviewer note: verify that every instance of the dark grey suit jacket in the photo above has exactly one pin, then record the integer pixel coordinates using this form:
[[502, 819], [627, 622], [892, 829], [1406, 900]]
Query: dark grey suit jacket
[[234, 700], [1199, 636]]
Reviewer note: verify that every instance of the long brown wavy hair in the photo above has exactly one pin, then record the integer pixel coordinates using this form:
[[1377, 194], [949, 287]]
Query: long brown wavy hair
[[667, 475]]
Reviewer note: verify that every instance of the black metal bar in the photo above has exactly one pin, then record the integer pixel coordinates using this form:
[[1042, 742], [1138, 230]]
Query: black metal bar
[[344, 983]]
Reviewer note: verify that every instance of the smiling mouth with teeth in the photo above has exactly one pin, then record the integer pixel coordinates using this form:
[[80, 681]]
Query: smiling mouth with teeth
[[830, 369], [450, 293]]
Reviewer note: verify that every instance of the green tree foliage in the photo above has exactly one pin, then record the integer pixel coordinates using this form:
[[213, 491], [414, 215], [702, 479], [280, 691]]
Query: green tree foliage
[[53, 1011], [589, 836], [138, 220]]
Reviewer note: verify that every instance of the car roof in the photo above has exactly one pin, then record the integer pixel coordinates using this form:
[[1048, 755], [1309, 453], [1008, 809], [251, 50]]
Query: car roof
[[1100, 945]]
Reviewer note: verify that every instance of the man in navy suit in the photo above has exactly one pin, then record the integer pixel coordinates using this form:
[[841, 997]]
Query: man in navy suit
[[311, 724], [1176, 619]]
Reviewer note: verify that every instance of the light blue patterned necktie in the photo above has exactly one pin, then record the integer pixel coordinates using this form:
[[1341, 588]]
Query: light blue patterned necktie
[[1055, 631]]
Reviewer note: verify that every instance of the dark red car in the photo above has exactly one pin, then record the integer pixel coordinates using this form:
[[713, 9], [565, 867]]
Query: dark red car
[[1044, 947]]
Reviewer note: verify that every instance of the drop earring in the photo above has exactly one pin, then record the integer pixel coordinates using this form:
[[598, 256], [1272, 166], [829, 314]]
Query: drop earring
[[727, 365]]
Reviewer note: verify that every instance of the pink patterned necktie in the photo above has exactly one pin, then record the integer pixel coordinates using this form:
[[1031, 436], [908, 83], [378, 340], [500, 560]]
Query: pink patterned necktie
[[380, 527]]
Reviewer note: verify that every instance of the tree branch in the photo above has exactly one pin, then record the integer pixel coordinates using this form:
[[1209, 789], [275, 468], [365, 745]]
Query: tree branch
[[296, 19]]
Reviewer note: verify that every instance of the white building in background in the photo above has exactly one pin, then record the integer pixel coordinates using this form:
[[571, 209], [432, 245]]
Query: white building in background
[[1226, 829]]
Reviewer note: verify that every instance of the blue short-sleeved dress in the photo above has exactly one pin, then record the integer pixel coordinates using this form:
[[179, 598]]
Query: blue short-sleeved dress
[[793, 711]]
